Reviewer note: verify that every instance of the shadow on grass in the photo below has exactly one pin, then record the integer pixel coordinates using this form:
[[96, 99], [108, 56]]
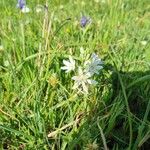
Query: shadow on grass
[[111, 121]]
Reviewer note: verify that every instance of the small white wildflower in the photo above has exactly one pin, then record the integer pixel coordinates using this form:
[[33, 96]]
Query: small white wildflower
[[143, 43], [69, 65], [94, 65], [39, 8], [25, 9], [82, 80]]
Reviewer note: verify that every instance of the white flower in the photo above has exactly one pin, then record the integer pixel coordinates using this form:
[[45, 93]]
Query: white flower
[[39, 8], [25, 9], [144, 42], [69, 65], [94, 65], [81, 81]]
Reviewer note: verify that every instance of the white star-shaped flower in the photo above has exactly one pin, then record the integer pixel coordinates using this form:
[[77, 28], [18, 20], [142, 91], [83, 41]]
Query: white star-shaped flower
[[82, 81], [94, 65], [69, 65]]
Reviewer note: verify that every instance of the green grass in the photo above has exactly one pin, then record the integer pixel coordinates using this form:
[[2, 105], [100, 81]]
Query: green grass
[[36, 96]]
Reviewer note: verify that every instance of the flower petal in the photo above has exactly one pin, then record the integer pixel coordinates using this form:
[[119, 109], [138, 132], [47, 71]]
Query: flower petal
[[72, 61], [67, 63], [74, 78], [85, 88]]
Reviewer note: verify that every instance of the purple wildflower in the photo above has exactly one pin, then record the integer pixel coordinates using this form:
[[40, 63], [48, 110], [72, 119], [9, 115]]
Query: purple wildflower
[[21, 4], [84, 21]]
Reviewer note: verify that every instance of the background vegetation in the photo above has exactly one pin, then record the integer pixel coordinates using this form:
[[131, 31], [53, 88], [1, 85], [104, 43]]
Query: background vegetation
[[36, 96]]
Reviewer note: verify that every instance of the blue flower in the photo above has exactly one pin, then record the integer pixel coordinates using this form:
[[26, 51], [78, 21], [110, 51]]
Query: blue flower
[[84, 21], [21, 4]]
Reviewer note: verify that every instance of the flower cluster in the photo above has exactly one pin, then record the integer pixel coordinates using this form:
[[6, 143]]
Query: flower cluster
[[84, 73], [22, 6]]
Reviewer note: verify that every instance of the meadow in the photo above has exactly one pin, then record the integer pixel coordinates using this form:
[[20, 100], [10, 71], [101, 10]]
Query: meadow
[[44, 107]]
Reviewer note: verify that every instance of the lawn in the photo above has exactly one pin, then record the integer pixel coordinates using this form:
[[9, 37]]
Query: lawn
[[75, 75]]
